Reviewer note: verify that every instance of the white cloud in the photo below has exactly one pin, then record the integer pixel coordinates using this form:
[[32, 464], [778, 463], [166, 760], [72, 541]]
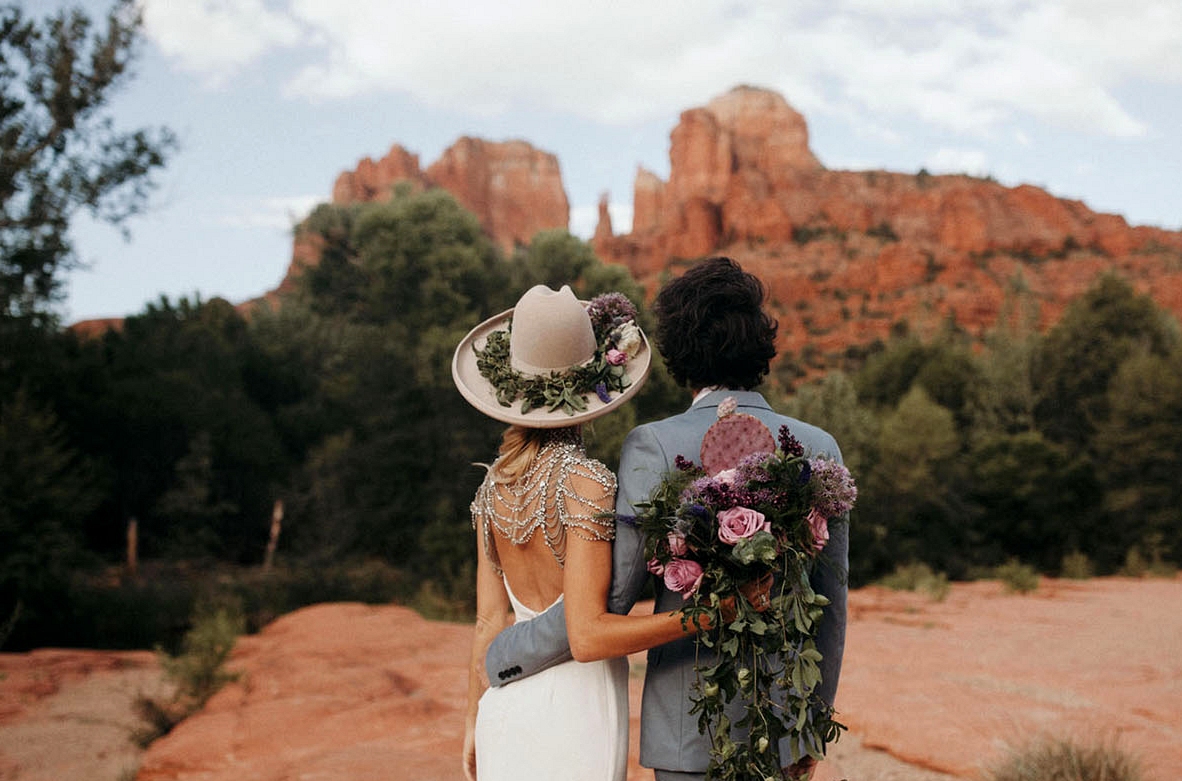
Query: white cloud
[[216, 38], [278, 213], [969, 67], [950, 160]]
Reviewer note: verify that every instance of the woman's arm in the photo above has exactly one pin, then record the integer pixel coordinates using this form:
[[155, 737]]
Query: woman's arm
[[492, 614], [594, 632]]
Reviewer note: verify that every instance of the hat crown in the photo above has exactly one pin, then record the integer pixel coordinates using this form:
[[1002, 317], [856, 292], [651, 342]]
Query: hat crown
[[551, 332]]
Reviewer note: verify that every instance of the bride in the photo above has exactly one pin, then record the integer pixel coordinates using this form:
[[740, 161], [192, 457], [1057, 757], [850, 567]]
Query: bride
[[544, 522]]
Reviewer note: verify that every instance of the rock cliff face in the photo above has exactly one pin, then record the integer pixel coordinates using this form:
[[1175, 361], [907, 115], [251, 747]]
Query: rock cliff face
[[847, 254], [514, 189]]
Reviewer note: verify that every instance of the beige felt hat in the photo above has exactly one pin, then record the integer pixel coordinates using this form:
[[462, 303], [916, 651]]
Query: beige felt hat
[[551, 334]]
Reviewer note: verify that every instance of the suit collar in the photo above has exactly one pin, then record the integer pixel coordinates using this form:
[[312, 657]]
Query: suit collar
[[749, 399]]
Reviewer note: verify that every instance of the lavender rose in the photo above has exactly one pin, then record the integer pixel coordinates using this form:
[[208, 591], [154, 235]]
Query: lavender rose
[[683, 576], [820, 529], [677, 544], [616, 357], [739, 523]]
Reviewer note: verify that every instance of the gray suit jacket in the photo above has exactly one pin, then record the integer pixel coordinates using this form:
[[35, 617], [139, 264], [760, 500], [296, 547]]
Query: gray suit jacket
[[669, 737]]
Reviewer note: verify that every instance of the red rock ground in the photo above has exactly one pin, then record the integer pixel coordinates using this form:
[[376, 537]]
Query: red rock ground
[[930, 691]]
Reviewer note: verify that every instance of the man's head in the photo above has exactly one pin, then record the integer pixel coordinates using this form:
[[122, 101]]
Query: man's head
[[711, 327]]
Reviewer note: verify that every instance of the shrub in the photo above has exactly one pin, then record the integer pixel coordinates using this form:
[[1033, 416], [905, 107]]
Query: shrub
[[918, 576], [1016, 576], [1061, 759], [197, 673], [1138, 565], [1076, 565]]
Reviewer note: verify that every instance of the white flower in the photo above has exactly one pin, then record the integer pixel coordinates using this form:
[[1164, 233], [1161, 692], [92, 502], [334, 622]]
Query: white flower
[[627, 338]]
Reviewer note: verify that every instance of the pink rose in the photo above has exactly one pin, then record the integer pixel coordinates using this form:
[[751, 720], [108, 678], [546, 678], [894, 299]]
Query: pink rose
[[739, 523], [677, 544], [683, 576], [820, 529], [656, 567], [616, 357]]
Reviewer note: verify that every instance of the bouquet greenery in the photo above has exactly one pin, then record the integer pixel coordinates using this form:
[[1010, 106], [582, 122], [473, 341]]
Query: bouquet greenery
[[738, 537]]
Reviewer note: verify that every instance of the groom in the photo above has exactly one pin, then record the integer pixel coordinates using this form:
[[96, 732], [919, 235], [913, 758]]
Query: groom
[[717, 340]]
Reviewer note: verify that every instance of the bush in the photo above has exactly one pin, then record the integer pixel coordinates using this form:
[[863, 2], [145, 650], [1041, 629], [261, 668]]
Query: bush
[[1139, 565], [1017, 577], [1060, 759], [197, 673], [1076, 565], [918, 576]]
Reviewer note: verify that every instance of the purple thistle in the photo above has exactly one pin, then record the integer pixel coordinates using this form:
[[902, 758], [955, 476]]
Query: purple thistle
[[609, 310], [684, 464], [629, 520], [834, 492], [790, 444]]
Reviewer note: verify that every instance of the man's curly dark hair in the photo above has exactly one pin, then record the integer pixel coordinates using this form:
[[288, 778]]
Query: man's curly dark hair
[[711, 327]]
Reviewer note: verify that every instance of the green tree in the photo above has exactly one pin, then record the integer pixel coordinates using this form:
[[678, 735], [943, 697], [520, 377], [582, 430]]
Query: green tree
[[1035, 501], [1083, 352], [59, 150], [46, 489], [914, 490], [1140, 455]]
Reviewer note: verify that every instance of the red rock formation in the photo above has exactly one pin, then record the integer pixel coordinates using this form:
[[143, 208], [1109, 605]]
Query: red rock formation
[[339, 692], [375, 180], [847, 254], [514, 189]]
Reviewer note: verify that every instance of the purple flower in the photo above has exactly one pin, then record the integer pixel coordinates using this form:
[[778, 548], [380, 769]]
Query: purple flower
[[789, 444], [608, 310], [616, 357], [601, 392], [684, 464], [834, 492]]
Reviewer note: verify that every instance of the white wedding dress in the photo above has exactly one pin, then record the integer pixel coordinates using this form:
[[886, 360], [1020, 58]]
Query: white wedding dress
[[567, 723]]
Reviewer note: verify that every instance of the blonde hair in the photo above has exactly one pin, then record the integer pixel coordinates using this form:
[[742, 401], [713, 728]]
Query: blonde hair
[[519, 448]]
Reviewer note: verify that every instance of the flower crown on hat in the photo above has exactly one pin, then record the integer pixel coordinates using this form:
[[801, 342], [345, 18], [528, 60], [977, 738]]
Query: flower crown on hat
[[617, 338]]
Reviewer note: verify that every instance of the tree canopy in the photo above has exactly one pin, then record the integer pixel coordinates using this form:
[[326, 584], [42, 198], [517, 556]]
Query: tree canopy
[[60, 151]]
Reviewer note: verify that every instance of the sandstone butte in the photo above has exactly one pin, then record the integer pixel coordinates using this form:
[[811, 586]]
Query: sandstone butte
[[846, 254], [930, 691]]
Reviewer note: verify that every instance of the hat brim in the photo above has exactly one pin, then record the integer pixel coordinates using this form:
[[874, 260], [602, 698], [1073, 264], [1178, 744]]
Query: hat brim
[[478, 392]]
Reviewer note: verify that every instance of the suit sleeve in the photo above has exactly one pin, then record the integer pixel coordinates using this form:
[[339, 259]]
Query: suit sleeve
[[831, 578], [528, 647], [642, 462]]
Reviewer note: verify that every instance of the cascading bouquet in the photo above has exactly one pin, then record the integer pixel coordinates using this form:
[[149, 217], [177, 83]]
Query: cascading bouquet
[[738, 537]]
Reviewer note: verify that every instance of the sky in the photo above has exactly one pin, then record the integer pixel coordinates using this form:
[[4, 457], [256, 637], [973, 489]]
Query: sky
[[272, 99]]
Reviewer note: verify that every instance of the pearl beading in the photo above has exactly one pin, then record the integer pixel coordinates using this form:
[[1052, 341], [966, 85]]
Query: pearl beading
[[544, 498]]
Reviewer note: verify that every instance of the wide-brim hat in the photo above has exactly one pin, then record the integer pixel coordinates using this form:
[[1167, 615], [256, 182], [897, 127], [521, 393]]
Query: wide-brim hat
[[551, 332]]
